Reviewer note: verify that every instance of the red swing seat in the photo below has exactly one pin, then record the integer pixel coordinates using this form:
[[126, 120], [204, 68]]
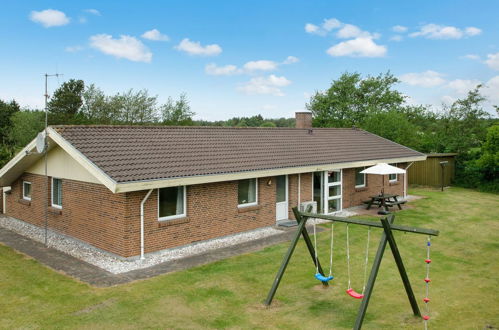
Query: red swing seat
[[351, 292]]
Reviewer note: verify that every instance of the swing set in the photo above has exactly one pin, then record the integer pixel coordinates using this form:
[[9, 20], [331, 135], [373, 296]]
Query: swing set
[[386, 237]]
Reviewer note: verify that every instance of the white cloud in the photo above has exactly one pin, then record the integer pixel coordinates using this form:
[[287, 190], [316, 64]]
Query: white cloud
[[472, 31], [291, 60], [125, 47], [49, 17], [358, 47], [155, 35], [493, 61], [435, 31], [399, 29], [326, 26], [73, 49], [352, 31], [424, 79], [248, 68], [82, 19], [265, 85], [261, 65], [195, 48], [463, 86], [396, 37], [447, 99], [226, 70], [474, 57], [330, 24], [312, 28], [92, 11], [491, 90]]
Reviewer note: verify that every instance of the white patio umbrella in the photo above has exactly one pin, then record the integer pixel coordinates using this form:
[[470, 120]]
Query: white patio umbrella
[[383, 169]]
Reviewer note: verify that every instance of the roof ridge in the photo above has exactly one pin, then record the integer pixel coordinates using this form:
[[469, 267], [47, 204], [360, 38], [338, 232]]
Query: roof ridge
[[200, 127]]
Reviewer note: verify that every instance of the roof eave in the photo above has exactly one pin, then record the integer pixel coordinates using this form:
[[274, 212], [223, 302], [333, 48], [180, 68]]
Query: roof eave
[[201, 179]]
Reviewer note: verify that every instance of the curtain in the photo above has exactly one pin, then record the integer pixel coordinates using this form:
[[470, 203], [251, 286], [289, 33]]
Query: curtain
[[180, 200]]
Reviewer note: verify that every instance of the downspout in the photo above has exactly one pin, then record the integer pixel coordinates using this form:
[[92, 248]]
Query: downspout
[[142, 224], [405, 179]]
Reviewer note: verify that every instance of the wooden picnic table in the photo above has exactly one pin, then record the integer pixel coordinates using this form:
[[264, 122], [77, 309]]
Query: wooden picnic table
[[385, 201]]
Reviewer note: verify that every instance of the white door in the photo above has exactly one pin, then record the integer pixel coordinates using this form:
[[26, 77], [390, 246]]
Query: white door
[[333, 191], [281, 192]]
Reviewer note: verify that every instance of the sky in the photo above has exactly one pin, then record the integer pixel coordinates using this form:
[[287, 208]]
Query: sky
[[242, 58]]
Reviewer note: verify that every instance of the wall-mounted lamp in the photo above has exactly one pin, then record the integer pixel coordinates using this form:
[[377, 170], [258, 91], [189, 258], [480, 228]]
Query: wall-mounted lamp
[[269, 183]]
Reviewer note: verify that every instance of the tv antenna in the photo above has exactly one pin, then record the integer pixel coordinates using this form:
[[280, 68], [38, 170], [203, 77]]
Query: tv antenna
[[45, 151]]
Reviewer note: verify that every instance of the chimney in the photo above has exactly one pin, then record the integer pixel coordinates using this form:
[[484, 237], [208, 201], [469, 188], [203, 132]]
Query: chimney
[[303, 119]]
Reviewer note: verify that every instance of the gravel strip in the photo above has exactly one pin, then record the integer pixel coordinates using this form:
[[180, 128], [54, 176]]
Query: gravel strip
[[116, 265]]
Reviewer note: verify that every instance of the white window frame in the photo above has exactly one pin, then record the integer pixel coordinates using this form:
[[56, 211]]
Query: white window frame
[[396, 175], [328, 184], [256, 195], [57, 206], [365, 178], [176, 216], [28, 198]]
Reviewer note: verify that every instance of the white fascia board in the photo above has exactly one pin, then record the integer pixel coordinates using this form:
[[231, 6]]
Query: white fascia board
[[186, 181], [84, 161], [24, 155]]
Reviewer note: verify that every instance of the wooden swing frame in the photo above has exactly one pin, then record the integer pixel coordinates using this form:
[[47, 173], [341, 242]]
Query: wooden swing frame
[[386, 237]]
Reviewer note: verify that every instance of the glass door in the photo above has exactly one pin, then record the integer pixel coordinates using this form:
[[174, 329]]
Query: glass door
[[333, 192]]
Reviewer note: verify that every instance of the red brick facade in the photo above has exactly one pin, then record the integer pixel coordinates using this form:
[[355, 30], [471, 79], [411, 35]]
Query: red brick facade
[[354, 196], [111, 222]]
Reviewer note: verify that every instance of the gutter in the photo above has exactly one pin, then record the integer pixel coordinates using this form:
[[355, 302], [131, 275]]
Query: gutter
[[142, 224]]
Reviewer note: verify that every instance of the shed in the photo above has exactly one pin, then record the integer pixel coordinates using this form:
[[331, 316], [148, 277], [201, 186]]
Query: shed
[[429, 171]]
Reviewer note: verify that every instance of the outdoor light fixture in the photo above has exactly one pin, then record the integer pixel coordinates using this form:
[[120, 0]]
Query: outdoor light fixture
[[269, 183]]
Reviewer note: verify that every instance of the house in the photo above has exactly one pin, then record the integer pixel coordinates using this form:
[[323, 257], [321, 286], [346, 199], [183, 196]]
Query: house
[[131, 190]]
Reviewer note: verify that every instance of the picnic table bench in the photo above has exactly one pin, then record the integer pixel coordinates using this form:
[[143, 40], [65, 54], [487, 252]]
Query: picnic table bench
[[385, 201]]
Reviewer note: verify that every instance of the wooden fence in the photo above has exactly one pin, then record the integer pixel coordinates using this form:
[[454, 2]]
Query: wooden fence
[[429, 172]]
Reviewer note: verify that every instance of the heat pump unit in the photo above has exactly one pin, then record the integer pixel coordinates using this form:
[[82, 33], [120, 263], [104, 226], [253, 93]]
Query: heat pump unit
[[305, 205]]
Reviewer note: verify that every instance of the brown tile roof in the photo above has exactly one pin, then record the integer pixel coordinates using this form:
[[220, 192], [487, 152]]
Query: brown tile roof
[[135, 153]]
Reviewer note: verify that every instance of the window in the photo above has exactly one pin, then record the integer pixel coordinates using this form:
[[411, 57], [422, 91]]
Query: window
[[393, 177], [171, 203], [57, 193], [247, 192], [360, 178], [27, 190]]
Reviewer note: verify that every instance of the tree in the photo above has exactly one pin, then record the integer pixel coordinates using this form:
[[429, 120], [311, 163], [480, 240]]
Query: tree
[[177, 112], [464, 124], [97, 108], [25, 126], [135, 107], [350, 99], [6, 112], [67, 100], [394, 126]]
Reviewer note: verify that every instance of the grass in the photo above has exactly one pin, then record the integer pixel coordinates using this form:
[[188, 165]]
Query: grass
[[228, 294]]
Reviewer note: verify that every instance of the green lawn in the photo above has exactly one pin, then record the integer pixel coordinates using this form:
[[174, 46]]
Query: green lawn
[[228, 294]]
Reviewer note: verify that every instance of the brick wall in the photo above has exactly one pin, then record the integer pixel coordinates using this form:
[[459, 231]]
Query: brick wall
[[354, 196], [112, 221], [90, 212], [211, 212]]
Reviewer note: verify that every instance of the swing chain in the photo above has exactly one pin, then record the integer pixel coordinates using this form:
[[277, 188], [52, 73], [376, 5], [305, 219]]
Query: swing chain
[[367, 259], [348, 257], [331, 251], [315, 250]]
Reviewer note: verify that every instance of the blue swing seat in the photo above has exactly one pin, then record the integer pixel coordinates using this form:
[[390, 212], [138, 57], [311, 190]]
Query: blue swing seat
[[323, 278]]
